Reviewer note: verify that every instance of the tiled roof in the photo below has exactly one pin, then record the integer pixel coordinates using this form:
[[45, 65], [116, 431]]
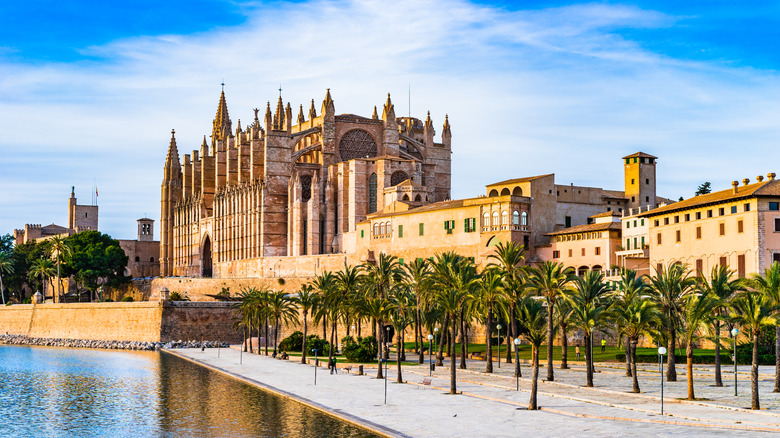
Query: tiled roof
[[606, 214], [587, 228], [442, 205], [639, 154], [764, 188], [519, 180]]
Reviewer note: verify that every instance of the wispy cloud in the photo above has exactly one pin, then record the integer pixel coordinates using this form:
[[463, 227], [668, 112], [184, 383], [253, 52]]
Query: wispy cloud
[[532, 91]]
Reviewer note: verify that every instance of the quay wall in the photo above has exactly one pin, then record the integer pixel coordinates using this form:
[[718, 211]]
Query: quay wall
[[125, 321]]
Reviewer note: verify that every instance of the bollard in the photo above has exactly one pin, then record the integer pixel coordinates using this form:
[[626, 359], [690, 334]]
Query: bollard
[[433, 367], [360, 370]]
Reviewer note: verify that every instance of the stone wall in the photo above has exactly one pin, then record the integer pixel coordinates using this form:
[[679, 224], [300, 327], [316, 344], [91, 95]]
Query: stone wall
[[137, 321]]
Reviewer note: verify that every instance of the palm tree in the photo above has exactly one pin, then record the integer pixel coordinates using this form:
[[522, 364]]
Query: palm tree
[[416, 279], [533, 320], [307, 300], [43, 268], [377, 309], [509, 257], [549, 280], [247, 309], [380, 277], [670, 286], [282, 309], [753, 311], [489, 297], [440, 271], [589, 302], [59, 249], [720, 285], [401, 309], [638, 317], [455, 279], [325, 283], [6, 267], [563, 314], [769, 285], [697, 315], [627, 290]]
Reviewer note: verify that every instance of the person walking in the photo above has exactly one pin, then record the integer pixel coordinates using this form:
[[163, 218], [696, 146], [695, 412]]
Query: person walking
[[603, 345], [577, 350]]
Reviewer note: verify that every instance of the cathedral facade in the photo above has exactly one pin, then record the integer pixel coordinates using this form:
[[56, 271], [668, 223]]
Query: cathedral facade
[[289, 186]]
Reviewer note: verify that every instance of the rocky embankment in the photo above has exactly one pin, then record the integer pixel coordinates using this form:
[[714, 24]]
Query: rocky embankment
[[108, 345]]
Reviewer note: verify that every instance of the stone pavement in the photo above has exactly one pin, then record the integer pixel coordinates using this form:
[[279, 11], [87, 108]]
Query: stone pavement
[[490, 406]]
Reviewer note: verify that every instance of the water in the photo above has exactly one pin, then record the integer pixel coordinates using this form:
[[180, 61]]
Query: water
[[58, 392]]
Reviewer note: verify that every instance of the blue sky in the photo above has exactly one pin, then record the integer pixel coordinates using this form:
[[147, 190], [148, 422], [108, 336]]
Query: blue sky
[[90, 90]]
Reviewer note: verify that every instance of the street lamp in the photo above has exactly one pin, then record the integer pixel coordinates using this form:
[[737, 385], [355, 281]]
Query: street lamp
[[517, 364], [498, 329], [314, 350], [430, 355], [734, 333], [661, 352]]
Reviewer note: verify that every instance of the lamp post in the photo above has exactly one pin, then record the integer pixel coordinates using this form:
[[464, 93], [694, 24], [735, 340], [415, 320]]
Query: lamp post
[[314, 350], [430, 355], [517, 364], [661, 352], [498, 330], [734, 333]]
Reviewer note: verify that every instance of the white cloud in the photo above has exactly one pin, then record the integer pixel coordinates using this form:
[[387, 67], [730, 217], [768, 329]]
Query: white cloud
[[528, 92]]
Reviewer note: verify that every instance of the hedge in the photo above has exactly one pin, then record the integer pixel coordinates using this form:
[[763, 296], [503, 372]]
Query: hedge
[[764, 359]]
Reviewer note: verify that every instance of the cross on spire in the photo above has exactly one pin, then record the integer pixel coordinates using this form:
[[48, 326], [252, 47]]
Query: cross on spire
[[223, 85], [280, 90]]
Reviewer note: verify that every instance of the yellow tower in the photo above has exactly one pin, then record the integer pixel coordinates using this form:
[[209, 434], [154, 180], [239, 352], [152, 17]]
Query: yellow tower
[[640, 180]]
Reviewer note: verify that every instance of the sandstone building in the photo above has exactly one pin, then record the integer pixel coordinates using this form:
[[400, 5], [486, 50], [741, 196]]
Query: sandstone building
[[288, 186]]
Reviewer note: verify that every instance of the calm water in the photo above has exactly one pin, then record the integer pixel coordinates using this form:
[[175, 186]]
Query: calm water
[[56, 392]]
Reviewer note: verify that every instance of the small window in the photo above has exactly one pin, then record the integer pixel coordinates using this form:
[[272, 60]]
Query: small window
[[362, 233], [699, 267], [698, 215], [733, 209], [598, 250], [642, 222], [677, 219], [422, 229], [741, 266], [567, 220], [658, 238], [401, 232], [724, 261], [643, 242], [666, 221], [151, 259], [635, 245], [633, 199], [777, 225], [698, 232], [632, 181], [721, 211], [774, 206], [628, 243], [722, 228], [634, 223], [687, 217], [137, 259], [656, 223], [570, 253], [740, 226], [709, 213], [746, 207], [582, 251], [647, 181], [647, 199], [628, 224], [556, 254], [515, 217], [678, 236], [776, 257], [524, 218]]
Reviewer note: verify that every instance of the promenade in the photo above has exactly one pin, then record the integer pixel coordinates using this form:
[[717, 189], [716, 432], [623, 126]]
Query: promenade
[[490, 406]]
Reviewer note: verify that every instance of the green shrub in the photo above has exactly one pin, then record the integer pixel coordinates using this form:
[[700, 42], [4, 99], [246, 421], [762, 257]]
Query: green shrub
[[128, 299], [177, 296], [314, 342], [294, 342], [364, 349], [764, 359]]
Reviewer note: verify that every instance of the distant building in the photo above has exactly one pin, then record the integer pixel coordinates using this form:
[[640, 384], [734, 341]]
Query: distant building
[[584, 248], [142, 253], [80, 218]]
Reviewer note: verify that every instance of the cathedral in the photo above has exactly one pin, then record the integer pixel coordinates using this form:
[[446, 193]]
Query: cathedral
[[293, 186]]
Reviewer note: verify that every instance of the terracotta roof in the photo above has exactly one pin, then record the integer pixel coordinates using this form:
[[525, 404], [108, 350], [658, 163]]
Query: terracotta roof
[[764, 188], [639, 154], [587, 228], [520, 180], [442, 205], [606, 214]]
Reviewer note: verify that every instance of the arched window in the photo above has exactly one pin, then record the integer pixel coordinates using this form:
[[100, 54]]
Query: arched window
[[524, 218], [372, 193], [376, 229], [406, 197], [493, 193], [486, 220], [515, 218], [382, 228], [388, 228], [517, 191], [504, 218], [151, 259], [417, 198], [137, 259], [495, 219], [505, 192]]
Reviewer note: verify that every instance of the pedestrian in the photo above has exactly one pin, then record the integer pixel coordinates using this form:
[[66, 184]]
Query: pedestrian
[[603, 345], [578, 352]]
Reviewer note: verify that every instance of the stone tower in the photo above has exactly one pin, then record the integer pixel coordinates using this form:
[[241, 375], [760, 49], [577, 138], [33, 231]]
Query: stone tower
[[145, 230], [640, 180], [171, 194]]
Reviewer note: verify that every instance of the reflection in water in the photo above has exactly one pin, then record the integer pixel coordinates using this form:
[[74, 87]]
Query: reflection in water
[[63, 392]]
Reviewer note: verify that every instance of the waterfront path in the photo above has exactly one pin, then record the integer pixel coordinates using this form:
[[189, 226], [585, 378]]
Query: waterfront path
[[490, 405]]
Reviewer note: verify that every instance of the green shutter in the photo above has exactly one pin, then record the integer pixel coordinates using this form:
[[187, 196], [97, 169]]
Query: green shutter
[[401, 232], [422, 229], [465, 225], [401, 260], [361, 233]]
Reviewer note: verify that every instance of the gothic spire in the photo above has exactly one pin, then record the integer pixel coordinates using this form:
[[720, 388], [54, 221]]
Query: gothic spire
[[388, 112], [428, 122], [268, 119], [279, 114], [204, 148], [312, 111], [301, 119], [375, 116], [172, 164], [222, 125], [446, 124]]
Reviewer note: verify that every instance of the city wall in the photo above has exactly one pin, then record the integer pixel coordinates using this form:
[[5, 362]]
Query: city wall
[[138, 321]]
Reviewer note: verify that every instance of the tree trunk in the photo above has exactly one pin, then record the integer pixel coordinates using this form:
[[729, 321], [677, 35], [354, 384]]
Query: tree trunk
[[453, 388], [332, 338], [632, 349], [550, 336], [418, 333], [718, 377], [403, 345], [777, 359], [518, 372], [57, 300], [398, 357], [513, 332], [324, 327], [755, 404], [689, 369], [564, 347], [265, 329], [380, 342], [629, 358], [489, 358], [2, 293], [276, 334], [305, 331], [462, 341], [671, 372], [589, 361], [244, 333], [532, 402], [440, 355]]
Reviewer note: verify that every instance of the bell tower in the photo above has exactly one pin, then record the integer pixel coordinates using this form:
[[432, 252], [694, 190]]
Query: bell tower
[[640, 180]]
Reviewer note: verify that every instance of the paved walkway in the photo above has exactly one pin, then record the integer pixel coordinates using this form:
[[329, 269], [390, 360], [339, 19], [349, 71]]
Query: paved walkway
[[490, 405]]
